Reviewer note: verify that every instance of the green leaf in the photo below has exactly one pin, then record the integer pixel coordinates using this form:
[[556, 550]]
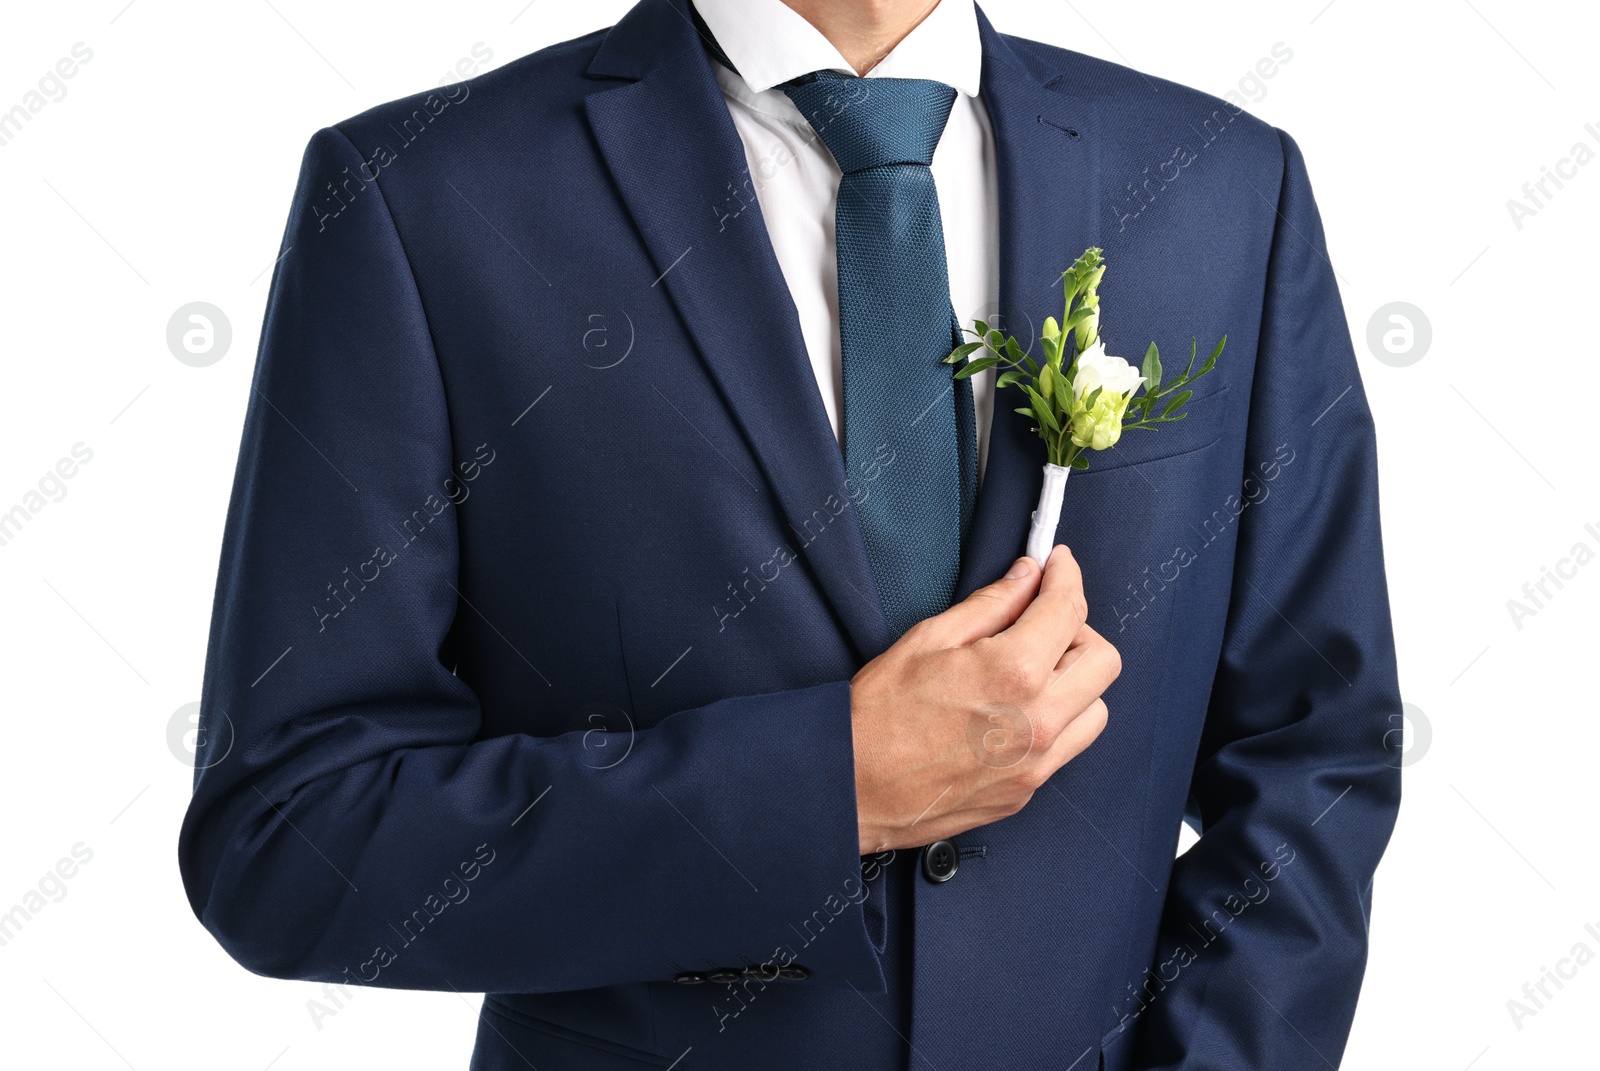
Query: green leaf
[[972, 368], [1024, 412], [1211, 362], [1082, 313], [1046, 418], [1012, 349], [1178, 401], [966, 349], [1052, 350], [1042, 410], [1081, 461], [1033, 369], [1069, 288], [1193, 344], [980, 328], [1152, 368], [1008, 378]]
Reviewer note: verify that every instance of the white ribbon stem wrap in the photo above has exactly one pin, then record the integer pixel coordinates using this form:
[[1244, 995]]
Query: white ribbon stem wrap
[[1042, 535]]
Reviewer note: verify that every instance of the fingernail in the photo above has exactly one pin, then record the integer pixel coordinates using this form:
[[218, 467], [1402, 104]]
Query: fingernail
[[1020, 568]]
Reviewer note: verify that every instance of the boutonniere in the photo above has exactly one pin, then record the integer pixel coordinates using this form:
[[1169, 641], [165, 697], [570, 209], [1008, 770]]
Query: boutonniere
[[1080, 398]]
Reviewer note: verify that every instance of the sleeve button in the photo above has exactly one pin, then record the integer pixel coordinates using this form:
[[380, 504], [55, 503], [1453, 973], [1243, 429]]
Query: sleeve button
[[940, 861]]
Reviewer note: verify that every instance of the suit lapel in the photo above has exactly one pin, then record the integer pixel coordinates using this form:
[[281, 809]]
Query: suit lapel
[[1046, 145], [673, 151]]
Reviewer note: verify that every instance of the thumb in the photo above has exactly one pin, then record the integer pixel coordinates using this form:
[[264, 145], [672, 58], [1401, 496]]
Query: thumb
[[989, 610]]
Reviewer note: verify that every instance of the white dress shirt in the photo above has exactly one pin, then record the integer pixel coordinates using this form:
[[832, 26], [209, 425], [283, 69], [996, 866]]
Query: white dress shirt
[[792, 175]]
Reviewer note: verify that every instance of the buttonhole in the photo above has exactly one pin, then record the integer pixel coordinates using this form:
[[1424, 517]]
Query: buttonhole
[[1067, 130]]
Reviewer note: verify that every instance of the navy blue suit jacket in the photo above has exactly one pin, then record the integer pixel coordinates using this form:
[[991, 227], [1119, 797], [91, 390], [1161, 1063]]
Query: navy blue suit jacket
[[542, 587]]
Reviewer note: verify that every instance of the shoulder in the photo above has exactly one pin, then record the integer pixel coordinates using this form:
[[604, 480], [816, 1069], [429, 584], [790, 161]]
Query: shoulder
[[1143, 113], [517, 100]]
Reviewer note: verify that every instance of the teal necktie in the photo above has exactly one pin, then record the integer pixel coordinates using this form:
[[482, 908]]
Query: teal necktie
[[896, 326]]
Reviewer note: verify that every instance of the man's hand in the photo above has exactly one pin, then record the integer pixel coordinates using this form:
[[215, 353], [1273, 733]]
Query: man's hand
[[971, 711]]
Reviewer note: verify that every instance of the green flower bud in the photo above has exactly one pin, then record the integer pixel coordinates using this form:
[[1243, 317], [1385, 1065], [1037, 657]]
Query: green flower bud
[[1089, 330], [1092, 287]]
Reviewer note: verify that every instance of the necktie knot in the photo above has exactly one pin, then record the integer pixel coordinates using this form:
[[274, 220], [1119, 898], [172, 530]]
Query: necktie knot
[[874, 122]]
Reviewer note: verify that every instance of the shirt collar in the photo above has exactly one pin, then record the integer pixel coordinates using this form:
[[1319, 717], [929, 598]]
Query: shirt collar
[[770, 43]]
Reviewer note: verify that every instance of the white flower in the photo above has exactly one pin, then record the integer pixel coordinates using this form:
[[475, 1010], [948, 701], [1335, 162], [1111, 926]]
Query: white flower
[[1099, 426], [1098, 369]]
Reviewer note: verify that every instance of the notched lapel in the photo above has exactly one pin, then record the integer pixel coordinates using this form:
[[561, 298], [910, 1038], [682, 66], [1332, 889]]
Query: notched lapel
[[672, 149]]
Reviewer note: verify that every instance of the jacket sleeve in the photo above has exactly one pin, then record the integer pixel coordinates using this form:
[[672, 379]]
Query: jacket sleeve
[[348, 824], [1264, 936]]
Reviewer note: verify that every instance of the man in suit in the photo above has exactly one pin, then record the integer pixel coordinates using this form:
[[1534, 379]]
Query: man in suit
[[621, 611]]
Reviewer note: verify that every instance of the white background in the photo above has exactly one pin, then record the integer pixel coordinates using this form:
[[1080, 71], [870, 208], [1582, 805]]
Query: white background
[[164, 176]]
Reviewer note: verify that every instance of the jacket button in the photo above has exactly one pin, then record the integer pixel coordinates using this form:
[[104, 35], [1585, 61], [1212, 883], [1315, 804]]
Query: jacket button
[[725, 975], [689, 978], [940, 861], [793, 973]]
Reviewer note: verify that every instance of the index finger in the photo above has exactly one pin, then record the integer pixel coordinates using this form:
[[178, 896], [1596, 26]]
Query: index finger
[[1046, 628]]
